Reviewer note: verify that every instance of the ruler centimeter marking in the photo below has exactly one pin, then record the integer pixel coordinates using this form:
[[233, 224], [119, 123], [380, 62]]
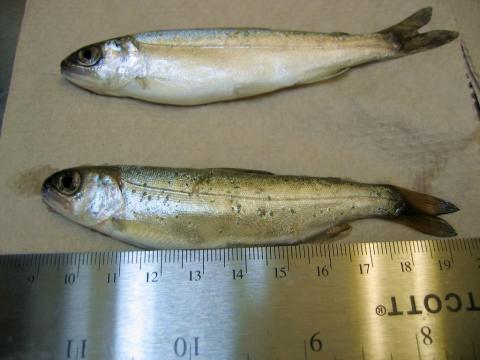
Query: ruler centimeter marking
[[306, 252]]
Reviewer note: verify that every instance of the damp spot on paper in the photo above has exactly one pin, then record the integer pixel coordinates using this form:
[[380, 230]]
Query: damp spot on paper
[[28, 183]]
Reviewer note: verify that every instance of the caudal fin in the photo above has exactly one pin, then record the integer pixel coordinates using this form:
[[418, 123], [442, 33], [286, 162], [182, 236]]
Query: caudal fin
[[428, 224], [421, 210], [406, 38]]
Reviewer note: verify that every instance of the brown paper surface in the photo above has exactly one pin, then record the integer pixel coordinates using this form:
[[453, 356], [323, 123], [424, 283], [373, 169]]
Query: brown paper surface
[[409, 121]]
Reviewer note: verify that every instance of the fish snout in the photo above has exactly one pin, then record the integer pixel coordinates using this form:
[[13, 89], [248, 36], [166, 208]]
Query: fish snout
[[64, 66], [53, 198]]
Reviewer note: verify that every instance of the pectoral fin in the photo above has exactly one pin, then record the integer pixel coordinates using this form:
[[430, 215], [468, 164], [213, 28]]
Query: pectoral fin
[[142, 82]]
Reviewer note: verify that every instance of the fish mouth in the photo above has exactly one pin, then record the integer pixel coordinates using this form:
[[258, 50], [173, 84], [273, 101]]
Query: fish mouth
[[81, 76], [53, 199], [70, 69]]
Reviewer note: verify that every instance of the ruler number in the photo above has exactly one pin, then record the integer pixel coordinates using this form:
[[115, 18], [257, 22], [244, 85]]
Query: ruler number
[[444, 264], [180, 347], [281, 272], [315, 343], [152, 276], [195, 275], [426, 332], [322, 271], [69, 278], [237, 274], [112, 278], [406, 266], [73, 349], [364, 268]]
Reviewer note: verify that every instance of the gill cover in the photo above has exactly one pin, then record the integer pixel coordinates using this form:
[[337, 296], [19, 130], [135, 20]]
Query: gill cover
[[105, 67], [85, 195]]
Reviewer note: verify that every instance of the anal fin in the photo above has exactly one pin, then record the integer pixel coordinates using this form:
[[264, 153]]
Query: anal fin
[[311, 78], [336, 230]]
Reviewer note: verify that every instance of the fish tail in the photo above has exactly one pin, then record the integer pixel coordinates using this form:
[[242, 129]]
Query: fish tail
[[421, 212], [407, 40]]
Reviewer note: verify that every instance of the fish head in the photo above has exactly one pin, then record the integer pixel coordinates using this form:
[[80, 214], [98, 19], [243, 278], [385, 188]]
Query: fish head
[[86, 195], [105, 67]]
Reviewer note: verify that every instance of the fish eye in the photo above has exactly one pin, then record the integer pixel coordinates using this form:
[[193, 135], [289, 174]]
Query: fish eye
[[68, 183], [89, 56]]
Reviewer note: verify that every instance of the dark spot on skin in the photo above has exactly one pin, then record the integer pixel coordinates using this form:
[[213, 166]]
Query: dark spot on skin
[[269, 198], [341, 213], [353, 207], [261, 212], [176, 216], [271, 213], [144, 194], [292, 211], [134, 191], [149, 197], [314, 215], [239, 207], [236, 187], [144, 184]]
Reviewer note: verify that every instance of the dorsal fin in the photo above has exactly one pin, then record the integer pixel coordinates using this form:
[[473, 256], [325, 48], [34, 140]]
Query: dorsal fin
[[244, 171], [338, 33]]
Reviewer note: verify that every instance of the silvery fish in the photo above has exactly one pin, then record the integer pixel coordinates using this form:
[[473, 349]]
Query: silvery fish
[[156, 207], [191, 67]]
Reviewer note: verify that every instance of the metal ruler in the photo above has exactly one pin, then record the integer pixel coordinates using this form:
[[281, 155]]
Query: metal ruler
[[389, 300]]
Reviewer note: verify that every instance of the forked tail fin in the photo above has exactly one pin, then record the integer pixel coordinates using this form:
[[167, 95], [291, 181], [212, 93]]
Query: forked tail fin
[[421, 210], [406, 38]]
